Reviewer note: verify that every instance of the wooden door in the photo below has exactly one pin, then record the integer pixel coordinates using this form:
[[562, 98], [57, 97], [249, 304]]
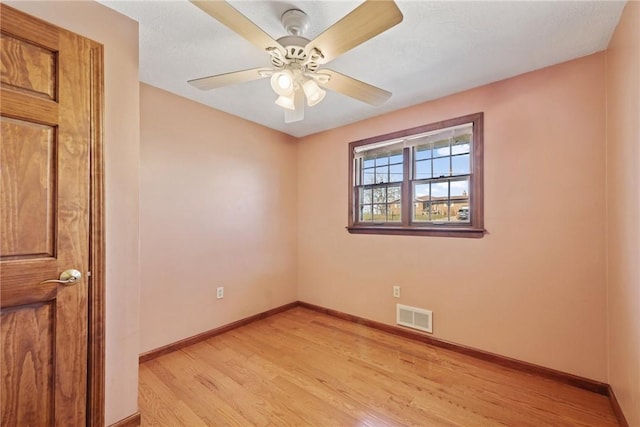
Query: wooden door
[[47, 124]]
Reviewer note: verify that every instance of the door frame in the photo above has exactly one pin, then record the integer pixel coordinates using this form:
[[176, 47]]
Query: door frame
[[96, 298]]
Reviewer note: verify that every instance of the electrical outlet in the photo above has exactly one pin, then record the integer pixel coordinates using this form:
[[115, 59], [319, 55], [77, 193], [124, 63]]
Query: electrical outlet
[[396, 291], [220, 292]]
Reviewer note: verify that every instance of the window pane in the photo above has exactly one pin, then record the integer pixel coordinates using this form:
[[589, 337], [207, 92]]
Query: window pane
[[396, 173], [440, 189], [368, 177], [441, 148], [460, 189], [380, 212], [394, 201], [460, 211], [396, 158], [460, 164], [366, 196], [461, 145], [421, 190], [441, 201], [394, 212], [393, 194], [384, 160], [423, 169], [382, 174], [365, 213], [368, 163], [441, 167], [380, 195], [383, 204], [421, 203], [440, 211], [460, 201], [423, 152], [431, 206], [422, 210]]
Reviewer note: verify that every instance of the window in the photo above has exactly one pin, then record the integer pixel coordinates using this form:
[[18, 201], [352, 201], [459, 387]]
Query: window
[[421, 181]]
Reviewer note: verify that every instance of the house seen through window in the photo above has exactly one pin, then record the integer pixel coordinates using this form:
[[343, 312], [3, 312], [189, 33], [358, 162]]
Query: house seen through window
[[425, 180]]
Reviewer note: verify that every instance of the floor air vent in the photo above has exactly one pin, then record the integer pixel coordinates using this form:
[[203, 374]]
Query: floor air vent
[[415, 318]]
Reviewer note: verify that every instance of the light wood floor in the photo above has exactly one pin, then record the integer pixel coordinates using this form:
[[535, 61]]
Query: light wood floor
[[304, 368]]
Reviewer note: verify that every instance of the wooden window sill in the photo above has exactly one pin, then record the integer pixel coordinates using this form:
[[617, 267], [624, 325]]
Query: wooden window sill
[[418, 231]]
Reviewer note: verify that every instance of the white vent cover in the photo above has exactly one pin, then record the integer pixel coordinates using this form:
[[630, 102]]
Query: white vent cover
[[416, 318]]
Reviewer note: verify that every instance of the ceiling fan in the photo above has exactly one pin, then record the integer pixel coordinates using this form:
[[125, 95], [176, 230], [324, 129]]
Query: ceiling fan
[[296, 61]]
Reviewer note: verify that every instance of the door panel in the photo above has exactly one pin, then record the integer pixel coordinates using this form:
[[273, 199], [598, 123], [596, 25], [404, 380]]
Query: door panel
[[33, 370], [39, 78], [48, 87], [28, 188]]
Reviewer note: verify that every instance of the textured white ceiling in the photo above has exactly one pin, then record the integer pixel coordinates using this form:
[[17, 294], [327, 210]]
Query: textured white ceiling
[[438, 49]]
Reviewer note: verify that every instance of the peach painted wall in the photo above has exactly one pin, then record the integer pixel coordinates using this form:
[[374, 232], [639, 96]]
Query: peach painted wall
[[119, 35], [623, 211], [217, 208], [534, 287]]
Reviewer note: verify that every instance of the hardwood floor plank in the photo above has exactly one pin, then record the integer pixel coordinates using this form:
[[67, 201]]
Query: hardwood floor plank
[[257, 387], [162, 406], [302, 367], [184, 379]]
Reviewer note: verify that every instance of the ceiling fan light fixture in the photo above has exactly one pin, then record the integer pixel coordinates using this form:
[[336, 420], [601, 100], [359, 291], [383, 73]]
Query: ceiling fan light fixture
[[287, 102], [282, 82], [313, 93]]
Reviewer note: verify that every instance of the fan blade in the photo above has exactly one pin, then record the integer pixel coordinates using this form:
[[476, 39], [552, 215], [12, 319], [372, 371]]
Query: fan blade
[[212, 82], [236, 21], [363, 23], [354, 88]]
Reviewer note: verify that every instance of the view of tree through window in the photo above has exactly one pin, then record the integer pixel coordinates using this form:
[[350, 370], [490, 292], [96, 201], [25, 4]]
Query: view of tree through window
[[380, 194], [419, 181]]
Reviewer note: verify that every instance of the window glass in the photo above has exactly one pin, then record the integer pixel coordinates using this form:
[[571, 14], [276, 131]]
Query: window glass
[[396, 173], [441, 167], [460, 145], [366, 213], [382, 174], [396, 158], [460, 165], [423, 152], [369, 176], [441, 148], [367, 196], [380, 203], [423, 169], [382, 160]]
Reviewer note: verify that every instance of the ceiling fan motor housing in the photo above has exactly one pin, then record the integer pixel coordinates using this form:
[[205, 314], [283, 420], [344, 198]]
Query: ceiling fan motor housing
[[295, 53], [295, 21]]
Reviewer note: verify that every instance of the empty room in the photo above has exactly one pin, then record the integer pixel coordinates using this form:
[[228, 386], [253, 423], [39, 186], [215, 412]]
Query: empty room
[[320, 213]]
